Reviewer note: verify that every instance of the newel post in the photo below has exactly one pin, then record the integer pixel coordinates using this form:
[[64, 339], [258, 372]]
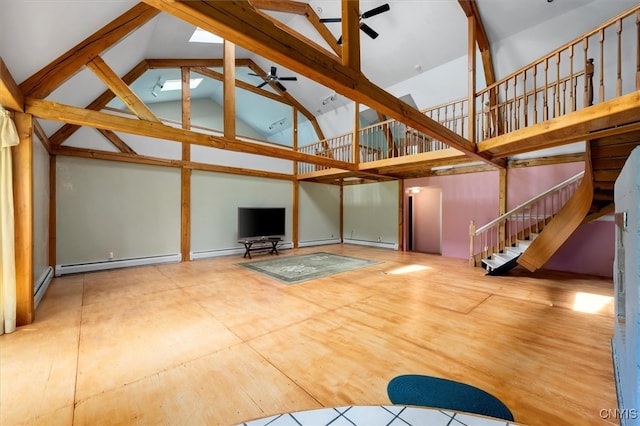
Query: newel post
[[472, 234]]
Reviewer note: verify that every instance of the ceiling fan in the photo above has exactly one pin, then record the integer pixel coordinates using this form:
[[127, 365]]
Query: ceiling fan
[[364, 27], [272, 77]]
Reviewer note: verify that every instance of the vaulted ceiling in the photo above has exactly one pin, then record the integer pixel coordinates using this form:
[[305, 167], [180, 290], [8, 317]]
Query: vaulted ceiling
[[415, 36]]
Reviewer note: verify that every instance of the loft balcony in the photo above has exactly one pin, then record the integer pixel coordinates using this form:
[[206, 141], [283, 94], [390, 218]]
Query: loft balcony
[[586, 90]]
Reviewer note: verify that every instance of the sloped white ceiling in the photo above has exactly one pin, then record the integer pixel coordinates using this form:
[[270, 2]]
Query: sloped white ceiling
[[415, 37]]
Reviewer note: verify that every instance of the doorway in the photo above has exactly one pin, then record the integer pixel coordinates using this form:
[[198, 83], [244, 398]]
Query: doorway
[[425, 221]]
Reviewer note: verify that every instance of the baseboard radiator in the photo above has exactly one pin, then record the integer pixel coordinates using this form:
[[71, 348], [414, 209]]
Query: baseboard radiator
[[380, 244], [114, 264], [41, 285], [206, 254], [323, 242]]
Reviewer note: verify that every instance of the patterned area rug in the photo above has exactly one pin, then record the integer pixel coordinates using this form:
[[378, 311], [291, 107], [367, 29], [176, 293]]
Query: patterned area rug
[[296, 269]]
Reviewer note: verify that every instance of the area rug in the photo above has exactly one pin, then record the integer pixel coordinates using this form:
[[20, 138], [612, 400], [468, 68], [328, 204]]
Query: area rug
[[427, 391], [304, 267]]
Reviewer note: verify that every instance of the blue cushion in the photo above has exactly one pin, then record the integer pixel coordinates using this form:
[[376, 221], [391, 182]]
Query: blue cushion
[[426, 391]]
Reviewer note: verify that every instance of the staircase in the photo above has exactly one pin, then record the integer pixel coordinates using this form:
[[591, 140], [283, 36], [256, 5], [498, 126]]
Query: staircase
[[499, 245], [608, 155], [499, 263]]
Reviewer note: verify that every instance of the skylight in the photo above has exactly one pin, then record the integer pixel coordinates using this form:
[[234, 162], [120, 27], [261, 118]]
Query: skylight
[[202, 36], [177, 84]]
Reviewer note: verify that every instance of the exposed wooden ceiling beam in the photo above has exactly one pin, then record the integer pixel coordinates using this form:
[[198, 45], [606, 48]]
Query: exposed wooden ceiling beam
[[202, 68], [116, 141], [99, 103], [287, 6], [11, 96], [45, 81], [72, 151], [299, 8], [291, 101], [41, 135], [351, 34], [121, 89], [155, 161], [241, 84], [239, 22], [470, 8], [324, 32], [66, 113]]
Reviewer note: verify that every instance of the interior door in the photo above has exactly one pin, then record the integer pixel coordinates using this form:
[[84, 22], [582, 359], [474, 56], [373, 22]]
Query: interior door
[[427, 220]]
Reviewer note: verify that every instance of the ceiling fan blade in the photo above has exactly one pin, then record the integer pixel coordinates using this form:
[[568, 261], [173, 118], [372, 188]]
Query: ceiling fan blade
[[376, 11], [325, 20], [288, 78], [368, 30], [273, 71], [256, 75], [280, 86], [261, 84]]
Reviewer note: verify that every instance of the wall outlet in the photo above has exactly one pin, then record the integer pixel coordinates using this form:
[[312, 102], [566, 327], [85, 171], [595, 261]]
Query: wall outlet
[[110, 255]]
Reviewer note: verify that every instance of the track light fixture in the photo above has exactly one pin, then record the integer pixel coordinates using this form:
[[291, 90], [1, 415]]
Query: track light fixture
[[154, 93], [277, 123], [328, 99]]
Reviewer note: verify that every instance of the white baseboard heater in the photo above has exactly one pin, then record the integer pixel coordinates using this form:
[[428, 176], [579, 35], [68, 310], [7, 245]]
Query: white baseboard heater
[[380, 244], [41, 285], [114, 264], [319, 242]]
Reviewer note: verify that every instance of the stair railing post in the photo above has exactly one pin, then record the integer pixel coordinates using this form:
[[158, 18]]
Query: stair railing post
[[472, 234]]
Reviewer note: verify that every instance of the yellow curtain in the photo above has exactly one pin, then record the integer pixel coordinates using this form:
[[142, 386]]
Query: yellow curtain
[[8, 138]]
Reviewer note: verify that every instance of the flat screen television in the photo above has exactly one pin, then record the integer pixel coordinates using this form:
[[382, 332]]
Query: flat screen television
[[260, 222]]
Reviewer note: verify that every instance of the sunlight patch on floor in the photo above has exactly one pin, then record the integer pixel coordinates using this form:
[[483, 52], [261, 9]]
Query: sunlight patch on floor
[[407, 269], [591, 303]]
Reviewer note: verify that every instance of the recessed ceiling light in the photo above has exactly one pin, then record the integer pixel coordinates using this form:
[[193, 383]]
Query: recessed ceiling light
[[177, 84], [202, 36]]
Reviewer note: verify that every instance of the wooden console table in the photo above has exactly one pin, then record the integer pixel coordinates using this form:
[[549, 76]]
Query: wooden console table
[[260, 244]]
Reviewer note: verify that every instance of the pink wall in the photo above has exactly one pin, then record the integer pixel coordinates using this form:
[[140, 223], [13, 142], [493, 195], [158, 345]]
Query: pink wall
[[474, 196], [589, 250], [527, 182], [464, 197]]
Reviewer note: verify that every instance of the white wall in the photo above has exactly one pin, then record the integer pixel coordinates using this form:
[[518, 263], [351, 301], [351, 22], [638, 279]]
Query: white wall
[[318, 213], [215, 198], [131, 210], [371, 213], [626, 348], [40, 210], [512, 53]]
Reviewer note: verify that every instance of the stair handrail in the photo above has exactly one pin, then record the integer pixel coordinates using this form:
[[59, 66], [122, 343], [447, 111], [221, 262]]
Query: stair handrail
[[530, 202], [491, 243]]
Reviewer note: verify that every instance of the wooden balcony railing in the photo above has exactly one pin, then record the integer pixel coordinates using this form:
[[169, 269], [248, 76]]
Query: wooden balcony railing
[[583, 72], [520, 222]]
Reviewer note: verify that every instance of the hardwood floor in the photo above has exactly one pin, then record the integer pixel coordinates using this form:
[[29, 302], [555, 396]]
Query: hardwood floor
[[208, 342]]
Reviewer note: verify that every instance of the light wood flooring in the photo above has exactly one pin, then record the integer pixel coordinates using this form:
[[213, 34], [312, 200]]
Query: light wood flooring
[[209, 342]]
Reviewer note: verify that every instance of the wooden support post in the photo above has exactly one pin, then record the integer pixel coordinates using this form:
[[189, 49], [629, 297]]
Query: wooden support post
[[351, 34], [472, 78], [185, 173], [342, 210], [52, 211], [472, 232], [355, 158], [401, 246], [229, 67], [502, 206], [23, 214], [296, 185], [296, 212]]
